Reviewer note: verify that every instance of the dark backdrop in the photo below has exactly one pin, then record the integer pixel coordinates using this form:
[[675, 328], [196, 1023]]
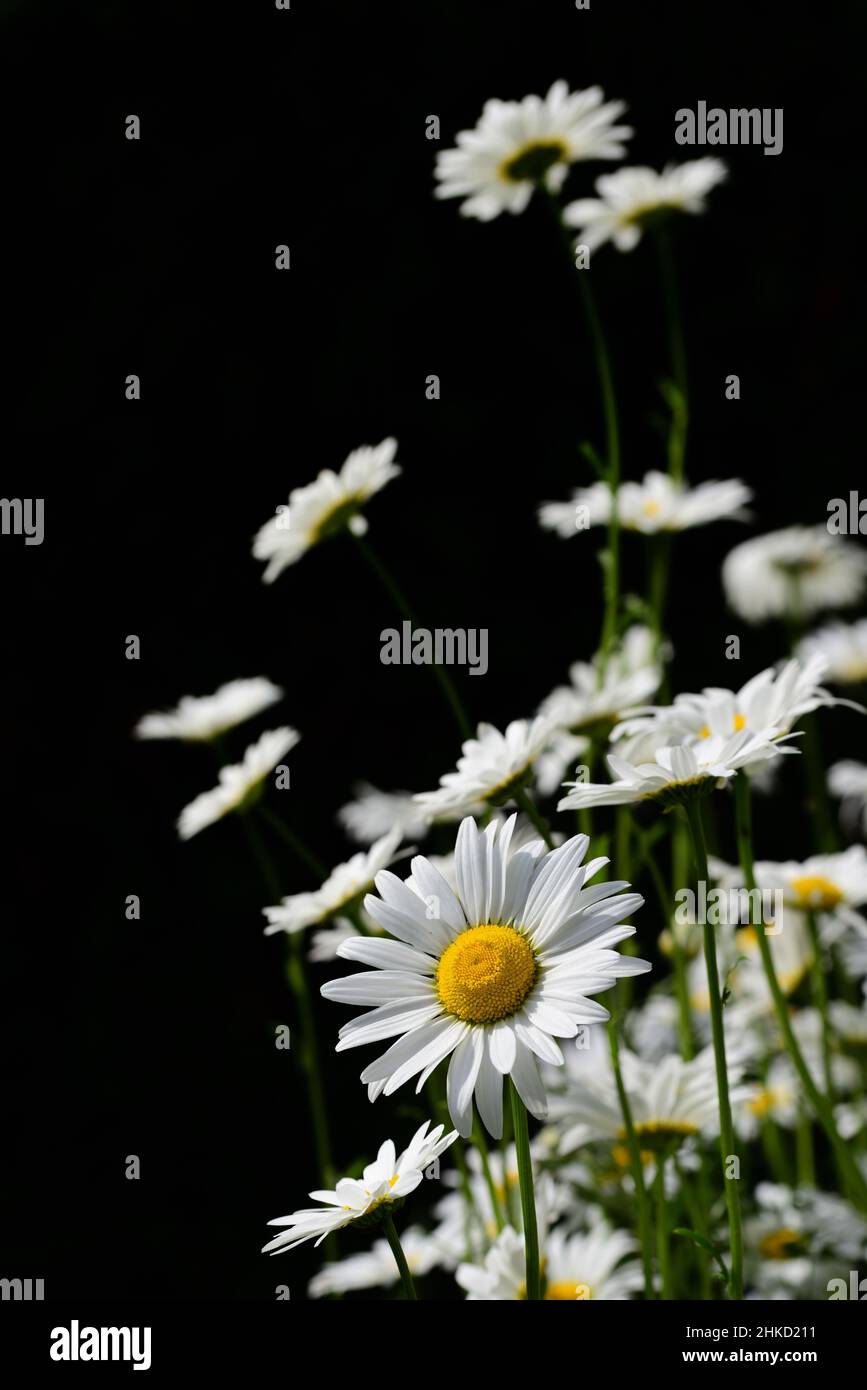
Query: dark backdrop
[[308, 127]]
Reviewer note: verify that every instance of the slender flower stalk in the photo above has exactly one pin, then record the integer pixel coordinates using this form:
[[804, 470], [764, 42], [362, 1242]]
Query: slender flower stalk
[[528, 1198], [295, 843], [528, 806], [820, 998], [819, 1103], [727, 1139], [397, 1250], [481, 1145], [679, 403], [644, 1231], [663, 1243], [394, 591]]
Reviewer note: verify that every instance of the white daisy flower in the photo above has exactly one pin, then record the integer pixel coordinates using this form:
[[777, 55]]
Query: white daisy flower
[[670, 1099], [325, 941], [767, 707], [376, 1268], [673, 775], [832, 886], [600, 693], [343, 887], [239, 783], [775, 1099], [374, 813], [489, 975], [325, 507], [793, 573], [630, 198], [843, 648], [848, 780], [562, 752], [519, 145], [658, 503], [492, 765], [801, 1223], [199, 718], [384, 1182], [576, 1268]]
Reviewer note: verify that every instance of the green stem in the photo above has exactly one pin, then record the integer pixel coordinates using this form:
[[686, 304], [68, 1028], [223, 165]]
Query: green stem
[[659, 560], [820, 804], [644, 1230], [820, 997], [484, 1158], [819, 1103], [680, 408], [528, 1200], [774, 1153], [397, 1251], [295, 843], [396, 594], [663, 1244], [804, 1151], [529, 807], [727, 1137]]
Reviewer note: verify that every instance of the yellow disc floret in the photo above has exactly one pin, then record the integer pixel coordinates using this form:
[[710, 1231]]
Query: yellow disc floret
[[486, 974], [814, 890]]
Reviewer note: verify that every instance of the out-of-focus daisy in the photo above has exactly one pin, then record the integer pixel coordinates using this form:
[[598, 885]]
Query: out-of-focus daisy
[[576, 1268], [325, 941], [343, 889], [670, 1100], [848, 780], [849, 1026], [832, 886], [629, 199], [794, 1234], [374, 813], [384, 1182], [519, 145], [843, 648], [376, 1268], [199, 718], [793, 573], [767, 707], [490, 975], [491, 766], [600, 693], [675, 775], [773, 1100], [658, 503], [325, 507], [239, 784]]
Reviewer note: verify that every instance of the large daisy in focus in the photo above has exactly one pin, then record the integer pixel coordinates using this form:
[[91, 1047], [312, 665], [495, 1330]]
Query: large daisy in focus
[[239, 784], [491, 766], [631, 198], [325, 507], [793, 573], [658, 503], [490, 974], [199, 718], [519, 145]]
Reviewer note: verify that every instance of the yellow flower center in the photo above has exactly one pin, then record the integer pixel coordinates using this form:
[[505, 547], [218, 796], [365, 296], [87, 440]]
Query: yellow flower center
[[651, 507], [533, 160], [762, 1104], [486, 974], [704, 731], [814, 890], [564, 1289], [782, 1244], [740, 722]]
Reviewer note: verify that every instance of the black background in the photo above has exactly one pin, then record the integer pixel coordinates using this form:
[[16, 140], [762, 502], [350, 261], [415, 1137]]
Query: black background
[[308, 127]]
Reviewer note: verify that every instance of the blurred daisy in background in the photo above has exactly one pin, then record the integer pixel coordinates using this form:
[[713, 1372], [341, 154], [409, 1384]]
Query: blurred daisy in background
[[848, 780], [374, 813], [341, 891], [325, 508], [843, 648], [239, 784], [796, 1238], [376, 1268], [199, 718], [490, 975], [518, 146], [600, 692], [794, 573], [658, 503], [577, 1268], [630, 199], [384, 1182]]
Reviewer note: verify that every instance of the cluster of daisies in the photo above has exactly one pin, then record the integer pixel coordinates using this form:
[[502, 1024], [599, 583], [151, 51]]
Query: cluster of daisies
[[707, 1130]]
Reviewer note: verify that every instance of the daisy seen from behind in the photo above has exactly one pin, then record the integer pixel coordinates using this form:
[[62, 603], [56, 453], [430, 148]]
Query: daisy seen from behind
[[793, 573], [629, 199], [238, 784]]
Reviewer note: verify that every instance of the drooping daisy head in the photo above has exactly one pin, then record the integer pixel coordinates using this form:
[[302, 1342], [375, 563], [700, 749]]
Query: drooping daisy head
[[491, 766], [629, 199], [325, 508], [342, 891], [385, 1182], [489, 974], [657, 504], [518, 146], [199, 718], [843, 649], [238, 784], [794, 573], [575, 1268]]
